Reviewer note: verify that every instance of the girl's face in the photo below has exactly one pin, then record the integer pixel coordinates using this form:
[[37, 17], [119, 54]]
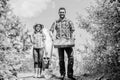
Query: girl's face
[[38, 28]]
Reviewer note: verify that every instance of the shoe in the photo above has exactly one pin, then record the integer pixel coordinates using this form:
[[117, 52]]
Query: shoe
[[71, 77], [35, 75], [39, 76]]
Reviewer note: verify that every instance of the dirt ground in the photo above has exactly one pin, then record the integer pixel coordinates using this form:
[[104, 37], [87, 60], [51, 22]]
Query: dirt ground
[[29, 76]]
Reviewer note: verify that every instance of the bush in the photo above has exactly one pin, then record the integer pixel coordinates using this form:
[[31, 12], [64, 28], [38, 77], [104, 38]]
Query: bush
[[103, 23]]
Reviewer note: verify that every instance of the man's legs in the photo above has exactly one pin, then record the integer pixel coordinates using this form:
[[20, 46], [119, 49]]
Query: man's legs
[[61, 61], [69, 52]]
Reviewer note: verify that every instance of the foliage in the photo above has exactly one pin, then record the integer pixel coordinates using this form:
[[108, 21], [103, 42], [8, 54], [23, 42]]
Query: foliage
[[103, 23], [12, 40]]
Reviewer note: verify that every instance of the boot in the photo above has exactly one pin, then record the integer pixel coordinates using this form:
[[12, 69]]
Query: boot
[[35, 72]]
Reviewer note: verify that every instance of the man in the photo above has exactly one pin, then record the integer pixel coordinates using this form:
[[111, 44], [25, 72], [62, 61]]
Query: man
[[64, 29]]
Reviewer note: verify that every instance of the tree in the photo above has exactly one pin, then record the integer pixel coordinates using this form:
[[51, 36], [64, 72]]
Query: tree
[[103, 22], [11, 41]]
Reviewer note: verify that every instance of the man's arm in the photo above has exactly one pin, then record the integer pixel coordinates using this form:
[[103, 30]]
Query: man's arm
[[52, 27], [52, 30], [72, 29]]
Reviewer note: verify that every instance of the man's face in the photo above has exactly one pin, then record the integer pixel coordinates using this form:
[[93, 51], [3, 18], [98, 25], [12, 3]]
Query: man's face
[[62, 13]]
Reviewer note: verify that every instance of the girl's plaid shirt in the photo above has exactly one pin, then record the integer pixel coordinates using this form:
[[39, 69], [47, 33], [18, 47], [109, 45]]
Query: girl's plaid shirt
[[38, 40]]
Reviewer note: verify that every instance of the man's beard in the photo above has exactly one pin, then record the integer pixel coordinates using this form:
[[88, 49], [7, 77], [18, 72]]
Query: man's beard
[[62, 16]]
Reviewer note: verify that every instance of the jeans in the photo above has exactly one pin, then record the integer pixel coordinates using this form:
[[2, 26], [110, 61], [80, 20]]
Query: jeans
[[38, 57], [69, 51]]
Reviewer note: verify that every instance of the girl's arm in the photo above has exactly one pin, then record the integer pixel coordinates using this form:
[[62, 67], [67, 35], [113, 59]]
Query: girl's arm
[[32, 39]]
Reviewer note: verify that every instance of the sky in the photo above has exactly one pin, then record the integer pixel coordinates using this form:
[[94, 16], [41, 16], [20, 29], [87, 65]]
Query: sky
[[46, 12]]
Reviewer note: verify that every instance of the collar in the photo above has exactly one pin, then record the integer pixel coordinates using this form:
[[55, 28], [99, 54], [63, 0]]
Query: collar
[[62, 19], [38, 32]]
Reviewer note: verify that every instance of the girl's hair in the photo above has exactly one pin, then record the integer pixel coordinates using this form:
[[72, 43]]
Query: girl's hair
[[36, 25]]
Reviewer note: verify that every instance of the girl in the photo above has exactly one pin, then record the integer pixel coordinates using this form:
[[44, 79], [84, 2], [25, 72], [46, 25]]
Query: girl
[[38, 40]]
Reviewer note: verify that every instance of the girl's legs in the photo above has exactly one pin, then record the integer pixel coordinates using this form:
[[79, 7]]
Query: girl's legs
[[41, 52], [39, 72], [35, 56], [36, 72]]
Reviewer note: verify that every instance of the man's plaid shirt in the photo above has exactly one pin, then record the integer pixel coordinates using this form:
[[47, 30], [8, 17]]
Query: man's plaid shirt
[[64, 28]]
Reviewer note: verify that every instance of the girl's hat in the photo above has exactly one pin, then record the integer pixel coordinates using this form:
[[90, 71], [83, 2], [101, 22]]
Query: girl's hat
[[40, 25]]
